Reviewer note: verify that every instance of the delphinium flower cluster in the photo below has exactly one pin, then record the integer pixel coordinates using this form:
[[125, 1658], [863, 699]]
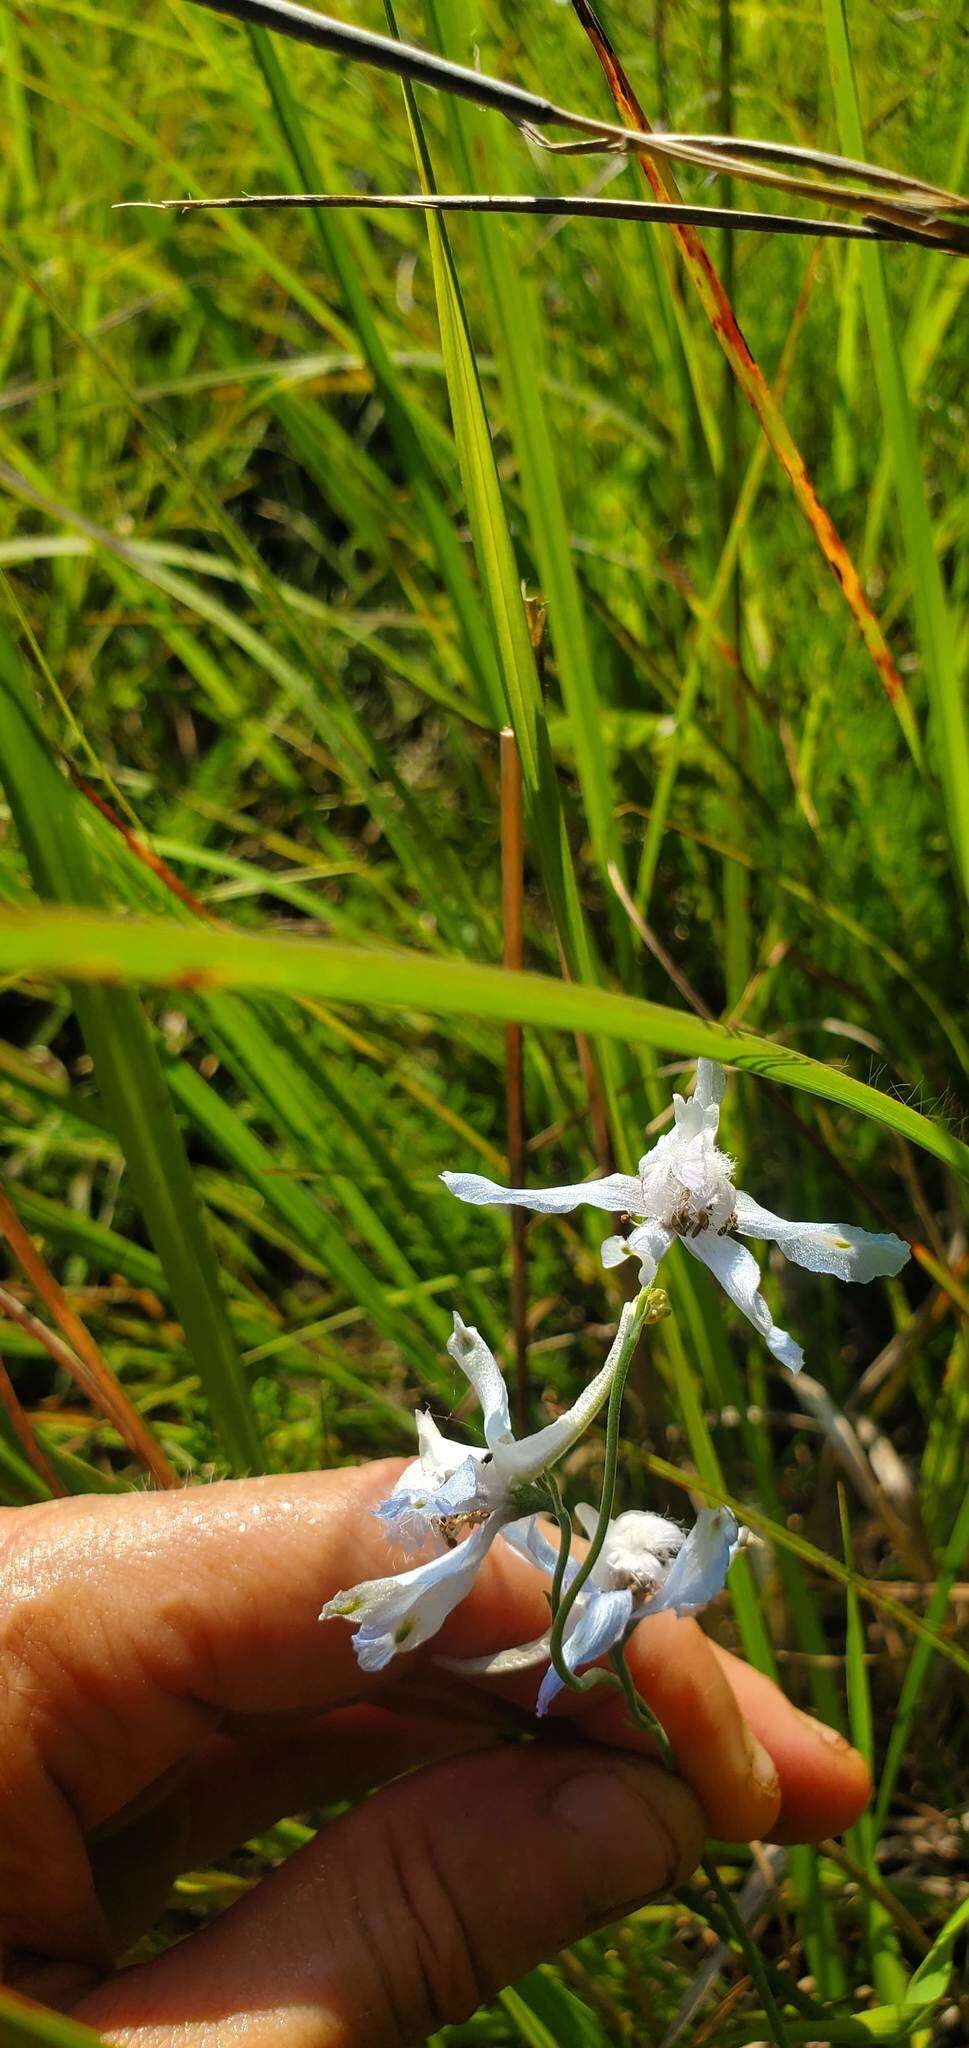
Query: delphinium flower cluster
[[457, 1500]]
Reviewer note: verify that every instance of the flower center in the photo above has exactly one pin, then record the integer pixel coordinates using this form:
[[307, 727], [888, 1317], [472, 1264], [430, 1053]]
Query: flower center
[[688, 1185], [644, 1580], [452, 1527]]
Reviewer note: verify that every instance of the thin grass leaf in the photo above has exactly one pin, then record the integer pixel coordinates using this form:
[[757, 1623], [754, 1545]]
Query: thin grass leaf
[[935, 631], [49, 1482], [544, 205], [410, 437], [913, 1684], [523, 706], [885, 1957], [930, 1982], [129, 1077], [532, 113], [24, 2024], [843, 1575], [756, 390], [751, 1954], [80, 1355]]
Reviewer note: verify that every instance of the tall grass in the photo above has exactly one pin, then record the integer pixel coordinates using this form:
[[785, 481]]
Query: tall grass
[[272, 487]]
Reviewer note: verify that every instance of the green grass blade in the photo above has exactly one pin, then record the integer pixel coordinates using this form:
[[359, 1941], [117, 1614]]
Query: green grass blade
[[931, 1980], [903, 1721], [934, 624], [888, 1971], [410, 442], [516, 326], [23, 2024], [155, 953], [129, 1076]]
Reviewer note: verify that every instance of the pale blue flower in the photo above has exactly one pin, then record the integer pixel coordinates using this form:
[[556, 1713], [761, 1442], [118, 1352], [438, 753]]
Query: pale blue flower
[[685, 1188], [647, 1565], [450, 1491], [400, 1612], [448, 1481]]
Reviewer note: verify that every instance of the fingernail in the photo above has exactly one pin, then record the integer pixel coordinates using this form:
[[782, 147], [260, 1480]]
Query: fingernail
[[763, 1769], [823, 1733], [633, 1829]]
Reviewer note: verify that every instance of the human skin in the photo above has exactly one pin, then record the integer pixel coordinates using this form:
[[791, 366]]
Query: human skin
[[167, 1691]]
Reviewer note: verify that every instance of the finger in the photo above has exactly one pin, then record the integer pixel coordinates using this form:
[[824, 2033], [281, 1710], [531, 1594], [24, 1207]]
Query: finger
[[415, 1908], [675, 1669], [826, 1784], [674, 1666], [238, 1785]]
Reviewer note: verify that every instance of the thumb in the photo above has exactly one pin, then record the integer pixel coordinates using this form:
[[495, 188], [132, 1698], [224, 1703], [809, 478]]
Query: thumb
[[412, 1910]]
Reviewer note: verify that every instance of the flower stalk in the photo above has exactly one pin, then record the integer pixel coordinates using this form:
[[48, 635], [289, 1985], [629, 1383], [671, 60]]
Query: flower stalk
[[563, 1602]]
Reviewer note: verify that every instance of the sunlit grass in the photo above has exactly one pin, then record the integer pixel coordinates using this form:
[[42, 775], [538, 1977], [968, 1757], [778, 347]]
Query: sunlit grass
[[271, 484]]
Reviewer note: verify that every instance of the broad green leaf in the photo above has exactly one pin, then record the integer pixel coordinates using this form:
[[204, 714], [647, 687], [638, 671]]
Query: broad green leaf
[[83, 946], [930, 1981]]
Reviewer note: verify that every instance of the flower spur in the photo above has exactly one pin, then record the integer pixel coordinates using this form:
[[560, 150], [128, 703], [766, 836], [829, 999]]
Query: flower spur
[[685, 1188]]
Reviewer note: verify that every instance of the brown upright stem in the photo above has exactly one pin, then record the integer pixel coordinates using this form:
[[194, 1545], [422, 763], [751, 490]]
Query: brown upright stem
[[512, 879]]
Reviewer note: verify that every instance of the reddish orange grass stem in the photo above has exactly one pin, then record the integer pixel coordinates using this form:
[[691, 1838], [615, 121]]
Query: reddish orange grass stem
[[716, 304], [80, 1355]]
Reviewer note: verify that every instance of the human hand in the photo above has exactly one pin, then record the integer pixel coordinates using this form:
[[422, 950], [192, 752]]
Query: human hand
[[166, 1691]]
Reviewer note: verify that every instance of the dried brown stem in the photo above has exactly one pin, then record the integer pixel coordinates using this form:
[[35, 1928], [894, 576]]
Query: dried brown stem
[[512, 884]]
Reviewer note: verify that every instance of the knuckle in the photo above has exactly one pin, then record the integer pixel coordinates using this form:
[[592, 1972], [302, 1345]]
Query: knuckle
[[422, 1938]]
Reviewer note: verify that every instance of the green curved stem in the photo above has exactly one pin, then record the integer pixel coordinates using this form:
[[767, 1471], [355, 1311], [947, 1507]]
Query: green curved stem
[[640, 1711], [562, 1607], [564, 1521]]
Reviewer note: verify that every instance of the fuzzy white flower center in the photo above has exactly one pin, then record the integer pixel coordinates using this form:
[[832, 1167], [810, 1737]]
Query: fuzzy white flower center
[[638, 1552], [687, 1183]]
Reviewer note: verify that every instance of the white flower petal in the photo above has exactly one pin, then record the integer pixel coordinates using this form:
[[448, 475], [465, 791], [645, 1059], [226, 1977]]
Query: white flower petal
[[399, 1613], [603, 1620], [527, 1539], [692, 1122], [497, 1663], [409, 1516], [479, 1364], [699, 1571], [427, 1487], [620, 1191], [649, 1243], [699, 1114], [520, 1462], [739, 1277], [614, 1250], [465, 1491], [837, 1248], [438, 1455], [549, 1690], [692, 1165], [711, 1082]]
